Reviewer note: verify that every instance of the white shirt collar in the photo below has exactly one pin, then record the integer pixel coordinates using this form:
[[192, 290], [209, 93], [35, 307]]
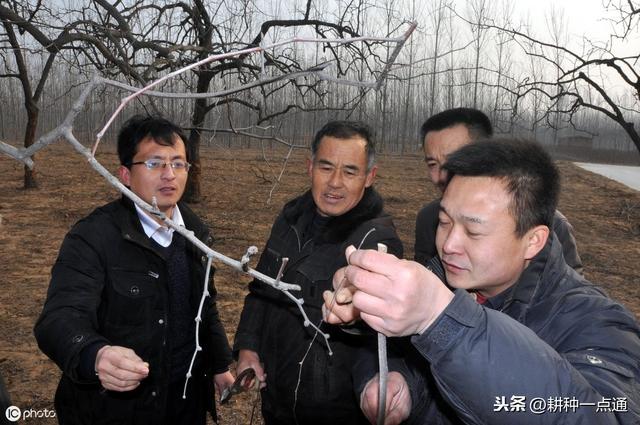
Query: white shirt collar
[[163, 235]]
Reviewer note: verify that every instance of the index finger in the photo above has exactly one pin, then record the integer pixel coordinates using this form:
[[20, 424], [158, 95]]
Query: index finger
[[132, 364], [372, 272], [374, 261]]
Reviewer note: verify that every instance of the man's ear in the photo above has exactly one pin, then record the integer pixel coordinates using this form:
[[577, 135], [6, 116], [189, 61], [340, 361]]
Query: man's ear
[[371, 176], [125, 175], [309, 166], [536, 239]]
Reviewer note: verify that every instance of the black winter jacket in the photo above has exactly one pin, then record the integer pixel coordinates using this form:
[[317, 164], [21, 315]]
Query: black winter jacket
[[272, 326], [109, 286], [552, 339]]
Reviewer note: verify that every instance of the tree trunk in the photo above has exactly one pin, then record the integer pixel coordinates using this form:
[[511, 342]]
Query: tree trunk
[[30, 181], [192, 193]]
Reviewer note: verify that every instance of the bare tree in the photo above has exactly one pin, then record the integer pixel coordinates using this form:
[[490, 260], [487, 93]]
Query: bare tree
[[503, 67], [437, 18], [587, 80], [479, 12], [14, 40], [556, 26]]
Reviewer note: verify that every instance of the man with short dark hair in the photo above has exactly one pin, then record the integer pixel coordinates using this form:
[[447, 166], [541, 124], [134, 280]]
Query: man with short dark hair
[[303, 383], [124, 293], [514, 335], [442, 134]]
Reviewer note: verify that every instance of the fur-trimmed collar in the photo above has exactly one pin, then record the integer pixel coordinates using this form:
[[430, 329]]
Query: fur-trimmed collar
[[299, 212]]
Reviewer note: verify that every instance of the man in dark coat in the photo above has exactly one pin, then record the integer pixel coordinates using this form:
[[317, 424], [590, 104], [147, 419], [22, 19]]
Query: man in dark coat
[[515, 336], [124, 293], [442, 134], [303, 383]]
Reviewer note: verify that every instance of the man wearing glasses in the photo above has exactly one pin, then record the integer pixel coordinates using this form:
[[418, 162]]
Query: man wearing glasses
[[124, 292]]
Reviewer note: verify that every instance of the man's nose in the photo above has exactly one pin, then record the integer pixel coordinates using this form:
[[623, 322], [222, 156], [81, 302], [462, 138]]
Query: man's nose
[[335, 180], [452, 242], [168, 172]]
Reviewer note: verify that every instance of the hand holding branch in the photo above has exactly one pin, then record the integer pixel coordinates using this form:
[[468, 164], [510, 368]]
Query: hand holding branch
[[398, 402], [395, 297]]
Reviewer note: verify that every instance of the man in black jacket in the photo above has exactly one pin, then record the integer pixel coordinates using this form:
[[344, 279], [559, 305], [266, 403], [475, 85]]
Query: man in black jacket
[[303, 383], [124, 293], [515, 336], [442, 134]]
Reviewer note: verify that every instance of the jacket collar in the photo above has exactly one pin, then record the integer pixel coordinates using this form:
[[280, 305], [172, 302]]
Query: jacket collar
[[300, 211], [540, 276], [131, 228]]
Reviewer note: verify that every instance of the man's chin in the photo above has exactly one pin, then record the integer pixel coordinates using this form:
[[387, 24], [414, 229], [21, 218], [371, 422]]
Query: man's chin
[[331, 211], [457, 283], [166, 206]]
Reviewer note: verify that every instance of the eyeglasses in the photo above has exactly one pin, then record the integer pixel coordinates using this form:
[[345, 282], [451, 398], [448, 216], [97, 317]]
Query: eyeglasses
[[156, 164]]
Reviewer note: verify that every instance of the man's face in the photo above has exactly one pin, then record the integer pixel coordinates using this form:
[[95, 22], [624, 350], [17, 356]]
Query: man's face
[[437, 145], [476, 237], [166, 184], [339, 175]]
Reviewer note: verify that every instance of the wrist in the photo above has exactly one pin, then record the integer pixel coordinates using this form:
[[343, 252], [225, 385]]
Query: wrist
[[87, 364], [440, 299], [99, 355]]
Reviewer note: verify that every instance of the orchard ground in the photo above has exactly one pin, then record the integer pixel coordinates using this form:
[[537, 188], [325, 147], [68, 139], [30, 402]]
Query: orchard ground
[[236, 186]]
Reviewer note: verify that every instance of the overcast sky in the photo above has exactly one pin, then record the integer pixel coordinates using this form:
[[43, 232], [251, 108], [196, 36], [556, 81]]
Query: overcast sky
[[582, 17]]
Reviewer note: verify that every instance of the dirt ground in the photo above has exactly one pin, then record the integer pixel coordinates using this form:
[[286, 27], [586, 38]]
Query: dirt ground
[[236, 187]]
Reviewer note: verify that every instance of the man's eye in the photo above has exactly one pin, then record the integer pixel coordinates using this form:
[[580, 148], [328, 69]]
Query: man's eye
[[431, 164], [442, 222], [152, 164], [178, 164], [473, 235]]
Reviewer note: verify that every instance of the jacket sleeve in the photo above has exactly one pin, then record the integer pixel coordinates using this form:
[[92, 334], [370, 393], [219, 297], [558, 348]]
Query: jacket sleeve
[[564, 231], [68, 322], [251, 322], [252, 318], [425, 233], [221, 352], [485, 362]]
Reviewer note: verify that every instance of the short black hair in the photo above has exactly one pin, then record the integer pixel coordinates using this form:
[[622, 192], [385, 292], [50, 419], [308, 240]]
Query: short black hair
[[530, 174], [347, 130], [138, 128], [476, 121]]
